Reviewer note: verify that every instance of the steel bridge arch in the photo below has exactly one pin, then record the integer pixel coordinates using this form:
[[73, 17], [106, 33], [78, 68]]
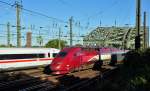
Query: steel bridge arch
[[121, 37]]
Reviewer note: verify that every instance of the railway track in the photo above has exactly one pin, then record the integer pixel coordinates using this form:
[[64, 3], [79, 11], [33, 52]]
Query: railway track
[[27, 71], [19, 74], [103, 74], [31, 81]]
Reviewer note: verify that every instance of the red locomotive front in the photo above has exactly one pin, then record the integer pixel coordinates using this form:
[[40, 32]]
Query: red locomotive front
[[72, 58]]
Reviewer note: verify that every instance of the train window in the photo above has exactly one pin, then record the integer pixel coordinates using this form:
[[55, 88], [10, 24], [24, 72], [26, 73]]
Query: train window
[[20, 56], [62, 54], [40, 56], [48, 54], [54, 54]]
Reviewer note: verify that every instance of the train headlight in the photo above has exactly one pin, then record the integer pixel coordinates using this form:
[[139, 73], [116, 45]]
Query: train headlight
[[58, 67], [67, 65]]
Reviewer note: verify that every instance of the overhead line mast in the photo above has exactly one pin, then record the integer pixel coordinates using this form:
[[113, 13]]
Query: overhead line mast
[[70, 24], [18, 9], [8, 34], [145, 32], [138, 23]]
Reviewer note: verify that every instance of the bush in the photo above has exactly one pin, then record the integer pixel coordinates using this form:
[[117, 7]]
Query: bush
[[146, 56], [134, 75], [132, 59], [137, 64]]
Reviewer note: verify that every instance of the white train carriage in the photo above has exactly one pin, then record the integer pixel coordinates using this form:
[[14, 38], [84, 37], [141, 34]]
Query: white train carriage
[[112, 55], [16, 58], [118, 57]]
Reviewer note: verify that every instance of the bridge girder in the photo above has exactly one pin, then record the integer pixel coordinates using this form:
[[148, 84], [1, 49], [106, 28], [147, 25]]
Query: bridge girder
[[121, 37]]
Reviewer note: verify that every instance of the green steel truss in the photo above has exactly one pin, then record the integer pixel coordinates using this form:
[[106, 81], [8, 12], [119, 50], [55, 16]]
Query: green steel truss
[[120, 37]]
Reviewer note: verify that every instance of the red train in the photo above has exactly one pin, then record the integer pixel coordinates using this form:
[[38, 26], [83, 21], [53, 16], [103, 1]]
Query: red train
[[72, 58]]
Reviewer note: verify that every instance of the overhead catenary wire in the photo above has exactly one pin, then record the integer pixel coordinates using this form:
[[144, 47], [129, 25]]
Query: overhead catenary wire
[[6, 3], [76, 24], [41, 14], [103, 11], [35, 12], [44, 15], [72, 7]]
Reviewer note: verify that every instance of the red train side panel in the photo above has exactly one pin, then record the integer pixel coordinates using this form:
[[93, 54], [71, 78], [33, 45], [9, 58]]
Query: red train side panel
[[71, 58]]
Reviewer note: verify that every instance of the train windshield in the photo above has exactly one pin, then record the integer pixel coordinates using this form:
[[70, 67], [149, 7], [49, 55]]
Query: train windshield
[[62, 54]]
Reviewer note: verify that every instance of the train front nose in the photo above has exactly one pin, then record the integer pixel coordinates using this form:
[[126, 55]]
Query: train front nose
[[55, 66], [59, 68]]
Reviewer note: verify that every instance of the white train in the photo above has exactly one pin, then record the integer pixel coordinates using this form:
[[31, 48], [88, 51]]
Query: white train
[[16, 58]]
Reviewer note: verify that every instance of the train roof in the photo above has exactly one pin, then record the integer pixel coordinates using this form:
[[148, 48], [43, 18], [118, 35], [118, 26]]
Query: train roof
[[27, 50]]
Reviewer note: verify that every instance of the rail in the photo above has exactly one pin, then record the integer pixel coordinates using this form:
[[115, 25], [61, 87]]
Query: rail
[[86, 83], [69, 82]]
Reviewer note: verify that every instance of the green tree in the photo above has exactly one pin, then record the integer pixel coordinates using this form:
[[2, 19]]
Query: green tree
[[55, 43], [3, 46]]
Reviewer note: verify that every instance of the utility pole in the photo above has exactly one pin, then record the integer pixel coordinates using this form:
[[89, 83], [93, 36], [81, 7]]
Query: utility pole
[[70, 23], [138, 22], [18, 9], [145, 32], [59, 46], [8, 34]]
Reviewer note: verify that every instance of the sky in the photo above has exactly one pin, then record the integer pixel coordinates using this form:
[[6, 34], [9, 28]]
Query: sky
[[87, 15]]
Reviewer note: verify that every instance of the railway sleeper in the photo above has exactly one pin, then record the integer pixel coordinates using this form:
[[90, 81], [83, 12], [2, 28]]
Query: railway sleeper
[[36, 87], [85, 83], [79, 85], [16, 83], [48, 88]]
